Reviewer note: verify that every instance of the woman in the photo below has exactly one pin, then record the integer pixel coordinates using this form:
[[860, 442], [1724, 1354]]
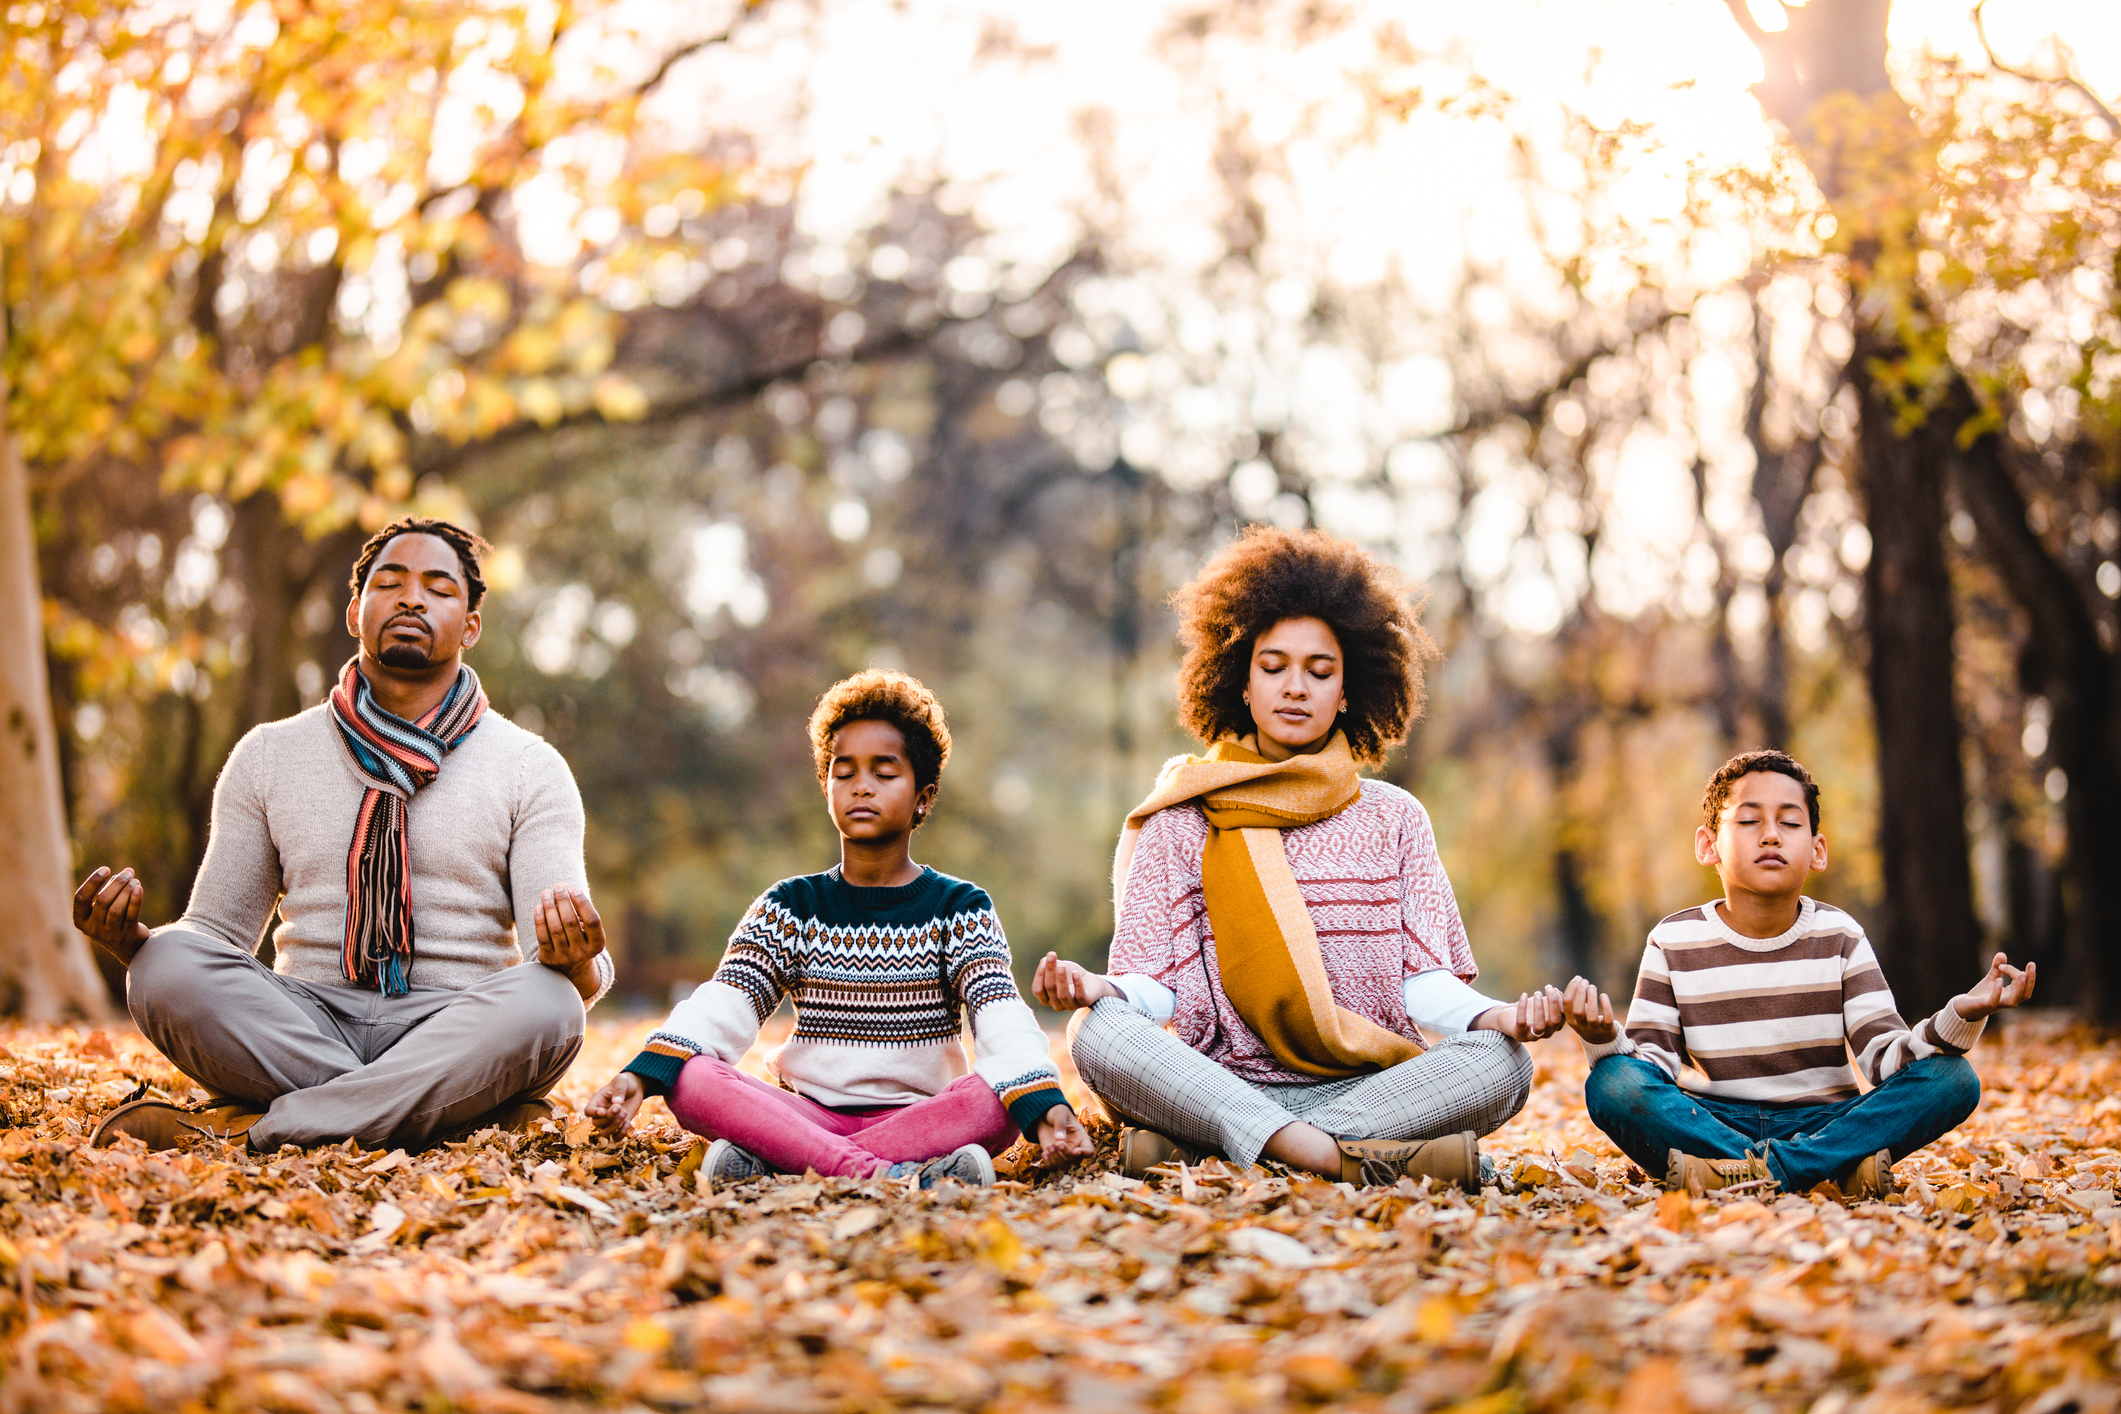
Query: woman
[[1288, 920]]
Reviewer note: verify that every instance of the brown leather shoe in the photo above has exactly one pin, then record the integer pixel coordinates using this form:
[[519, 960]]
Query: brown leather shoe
[[1455, 1158], [1690, 1173], [159, 1124], [1872, 1178], [1143, 1149]]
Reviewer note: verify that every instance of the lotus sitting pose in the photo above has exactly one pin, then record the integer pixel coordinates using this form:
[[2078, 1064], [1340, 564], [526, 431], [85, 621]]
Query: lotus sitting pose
[[1289, 976]]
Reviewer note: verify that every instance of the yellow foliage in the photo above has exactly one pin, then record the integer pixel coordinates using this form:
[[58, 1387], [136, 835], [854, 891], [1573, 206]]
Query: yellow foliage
[[330, 119]]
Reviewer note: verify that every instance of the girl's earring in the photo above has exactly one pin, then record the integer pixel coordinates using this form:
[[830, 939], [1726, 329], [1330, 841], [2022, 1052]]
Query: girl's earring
[[1343, 706]]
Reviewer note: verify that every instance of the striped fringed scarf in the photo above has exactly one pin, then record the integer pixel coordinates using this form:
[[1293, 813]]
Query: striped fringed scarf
[[396, 758]]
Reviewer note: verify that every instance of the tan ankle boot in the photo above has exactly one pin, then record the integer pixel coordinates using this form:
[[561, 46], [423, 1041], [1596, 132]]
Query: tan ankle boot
[[1690, 1173], [1455, 1158], [159, 1124], [1871, 1178], [1143, 1149]]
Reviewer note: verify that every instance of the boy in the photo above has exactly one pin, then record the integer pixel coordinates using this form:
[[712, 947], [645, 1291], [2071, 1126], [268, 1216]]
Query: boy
[[1765, 992], [889, 963]]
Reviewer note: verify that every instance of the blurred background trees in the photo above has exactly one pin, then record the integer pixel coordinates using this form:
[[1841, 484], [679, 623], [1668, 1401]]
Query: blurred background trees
[[771, 344]]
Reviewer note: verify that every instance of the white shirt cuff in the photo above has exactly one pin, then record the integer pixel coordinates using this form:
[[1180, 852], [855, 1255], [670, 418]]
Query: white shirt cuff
[[1146, 995], [1438, 1001], [1954, 1029]]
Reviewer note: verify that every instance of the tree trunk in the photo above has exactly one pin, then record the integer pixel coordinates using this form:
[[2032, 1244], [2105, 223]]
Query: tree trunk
[[1927, 937], [46, 970], [2072, 668]]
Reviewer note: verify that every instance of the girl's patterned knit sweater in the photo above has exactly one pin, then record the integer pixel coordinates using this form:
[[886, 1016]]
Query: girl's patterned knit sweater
[[883, 981]]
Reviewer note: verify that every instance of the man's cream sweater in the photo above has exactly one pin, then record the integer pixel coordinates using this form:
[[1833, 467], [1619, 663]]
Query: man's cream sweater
[[501, 823]]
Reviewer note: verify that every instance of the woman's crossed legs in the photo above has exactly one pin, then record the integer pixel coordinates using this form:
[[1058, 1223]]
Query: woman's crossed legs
[[1474, 1081]]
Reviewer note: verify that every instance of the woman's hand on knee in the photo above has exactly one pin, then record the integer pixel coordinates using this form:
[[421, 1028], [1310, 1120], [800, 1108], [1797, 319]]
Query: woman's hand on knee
[[1069, 986], [614, 1106], [1532, 1016], [1061, 1135]]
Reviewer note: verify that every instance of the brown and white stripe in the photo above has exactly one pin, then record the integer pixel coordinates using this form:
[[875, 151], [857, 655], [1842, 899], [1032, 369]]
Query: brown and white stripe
[[1773, 1020]]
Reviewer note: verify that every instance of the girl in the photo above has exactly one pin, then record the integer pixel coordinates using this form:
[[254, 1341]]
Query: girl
[[1287, 919], [887, 962]]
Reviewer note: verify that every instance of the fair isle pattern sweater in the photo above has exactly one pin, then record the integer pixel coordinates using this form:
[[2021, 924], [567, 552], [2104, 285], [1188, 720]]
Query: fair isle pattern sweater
[[1771, 1021], [884, 982], [1377, 895]]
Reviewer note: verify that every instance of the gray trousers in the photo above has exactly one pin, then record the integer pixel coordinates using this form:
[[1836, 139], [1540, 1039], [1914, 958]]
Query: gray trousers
[[1149, 1077], [330, 1063]]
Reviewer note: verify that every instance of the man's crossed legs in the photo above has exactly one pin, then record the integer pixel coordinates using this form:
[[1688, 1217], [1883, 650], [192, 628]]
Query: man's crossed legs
[[329, 1063]]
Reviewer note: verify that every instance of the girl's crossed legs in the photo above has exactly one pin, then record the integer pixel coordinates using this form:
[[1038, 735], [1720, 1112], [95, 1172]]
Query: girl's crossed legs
[[790, 1133]]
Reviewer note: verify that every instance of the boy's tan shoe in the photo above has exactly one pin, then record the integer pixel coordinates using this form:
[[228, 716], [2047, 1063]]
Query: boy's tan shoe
[[1872, 1178], [159, 1124], [1143, 1149], [1695, 1175], [1455, 1158]]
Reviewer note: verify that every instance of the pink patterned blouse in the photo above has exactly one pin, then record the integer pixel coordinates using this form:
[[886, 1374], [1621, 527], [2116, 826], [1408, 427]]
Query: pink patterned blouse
[[1377, 894]]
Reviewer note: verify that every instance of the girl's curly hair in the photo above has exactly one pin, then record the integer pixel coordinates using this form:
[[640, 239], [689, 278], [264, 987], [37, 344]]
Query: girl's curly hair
[[1266, 576], [878, 696]]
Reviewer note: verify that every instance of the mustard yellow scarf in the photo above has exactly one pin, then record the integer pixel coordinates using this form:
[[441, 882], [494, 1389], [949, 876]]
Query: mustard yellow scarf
[[1265, 944]]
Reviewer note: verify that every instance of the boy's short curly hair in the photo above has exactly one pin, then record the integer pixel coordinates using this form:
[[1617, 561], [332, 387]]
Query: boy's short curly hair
[[470, 548], [879, 696], [1717, 796], [1268, 575]]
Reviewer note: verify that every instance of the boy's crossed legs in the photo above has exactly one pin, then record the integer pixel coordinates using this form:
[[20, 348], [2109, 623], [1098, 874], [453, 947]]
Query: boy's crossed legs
[[1645, 1112], [790, 1133]]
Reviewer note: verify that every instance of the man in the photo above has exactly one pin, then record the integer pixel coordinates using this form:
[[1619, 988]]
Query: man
[[403, 830]]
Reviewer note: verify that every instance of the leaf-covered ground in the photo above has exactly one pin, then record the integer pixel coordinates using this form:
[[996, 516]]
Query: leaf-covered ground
[[565, 1271]]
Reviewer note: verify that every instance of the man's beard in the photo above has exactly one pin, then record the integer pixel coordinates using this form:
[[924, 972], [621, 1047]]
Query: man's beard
[[410, 656]]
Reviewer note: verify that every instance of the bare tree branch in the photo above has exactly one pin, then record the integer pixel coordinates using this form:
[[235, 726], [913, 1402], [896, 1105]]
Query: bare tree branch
[[2113, 124], [686, 51]]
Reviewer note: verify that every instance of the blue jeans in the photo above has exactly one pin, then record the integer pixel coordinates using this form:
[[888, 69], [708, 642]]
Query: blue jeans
[[1648, 1115]]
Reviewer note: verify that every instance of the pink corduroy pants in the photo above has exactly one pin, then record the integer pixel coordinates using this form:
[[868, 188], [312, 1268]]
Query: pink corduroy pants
[[791, 1134]]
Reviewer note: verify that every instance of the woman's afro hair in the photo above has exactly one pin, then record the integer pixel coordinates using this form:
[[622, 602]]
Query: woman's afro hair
[[878, 696], [1266, 576]]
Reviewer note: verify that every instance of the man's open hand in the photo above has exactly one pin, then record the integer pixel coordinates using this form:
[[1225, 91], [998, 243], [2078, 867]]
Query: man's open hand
[[2004, 986], [614, 1106], [1070, 986], [569, 931], [1589, 1012], [107, 909], [1061, 1137]]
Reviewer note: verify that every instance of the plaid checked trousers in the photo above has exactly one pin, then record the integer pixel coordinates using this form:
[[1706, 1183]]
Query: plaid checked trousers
[[1149, 1077]]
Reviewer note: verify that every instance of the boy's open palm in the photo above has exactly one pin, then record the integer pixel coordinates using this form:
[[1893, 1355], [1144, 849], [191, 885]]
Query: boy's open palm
[[1589, 1012], [1061, 1136], [2004, 986], [614, 1106]]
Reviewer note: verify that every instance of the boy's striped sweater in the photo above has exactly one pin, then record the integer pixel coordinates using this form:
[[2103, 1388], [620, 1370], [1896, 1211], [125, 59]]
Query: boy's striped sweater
[[884, 981], [1771, 1021]]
